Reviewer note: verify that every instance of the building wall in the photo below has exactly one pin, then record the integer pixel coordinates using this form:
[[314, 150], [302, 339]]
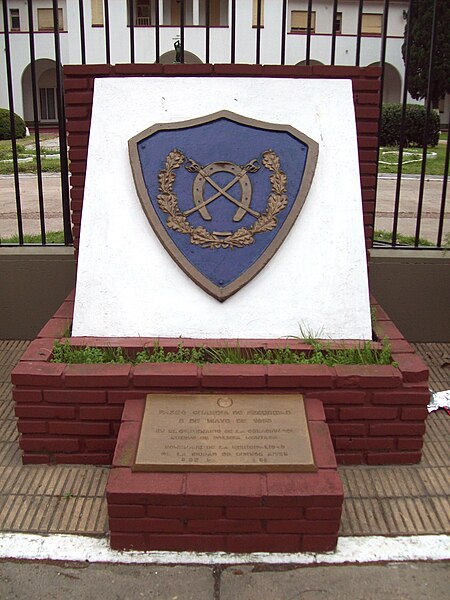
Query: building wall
[[220, 50]]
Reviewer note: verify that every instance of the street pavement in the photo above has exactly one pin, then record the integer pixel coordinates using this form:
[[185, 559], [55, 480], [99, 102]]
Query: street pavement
[[432, 199], [87, 581]]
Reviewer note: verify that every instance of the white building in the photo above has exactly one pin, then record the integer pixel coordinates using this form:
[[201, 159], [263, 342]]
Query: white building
[[145, 17]]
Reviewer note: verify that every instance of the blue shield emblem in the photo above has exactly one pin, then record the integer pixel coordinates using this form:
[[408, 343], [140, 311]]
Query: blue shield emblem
[[222, 192]]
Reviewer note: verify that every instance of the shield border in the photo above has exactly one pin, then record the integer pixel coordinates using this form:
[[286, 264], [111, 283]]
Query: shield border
[[221, 293]]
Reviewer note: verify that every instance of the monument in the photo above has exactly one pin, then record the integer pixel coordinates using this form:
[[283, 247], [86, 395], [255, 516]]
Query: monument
[[220, 238], [227, 214]]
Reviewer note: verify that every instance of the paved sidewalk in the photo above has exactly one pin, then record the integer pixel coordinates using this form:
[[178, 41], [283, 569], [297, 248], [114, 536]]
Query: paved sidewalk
[[390, 501]]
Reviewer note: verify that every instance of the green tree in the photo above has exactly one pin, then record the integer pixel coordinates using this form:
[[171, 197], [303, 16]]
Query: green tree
[[420, 20]]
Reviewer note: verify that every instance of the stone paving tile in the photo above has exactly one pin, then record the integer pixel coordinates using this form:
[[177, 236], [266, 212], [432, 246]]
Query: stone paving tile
[[390, 500]]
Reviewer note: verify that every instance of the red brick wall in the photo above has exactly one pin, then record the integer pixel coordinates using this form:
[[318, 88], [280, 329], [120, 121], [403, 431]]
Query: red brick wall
[[79, 85], [71, 413]]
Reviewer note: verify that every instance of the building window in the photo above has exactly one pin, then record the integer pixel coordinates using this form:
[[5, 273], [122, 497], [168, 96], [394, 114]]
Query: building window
[[143, 13], [218, 12], [255, 14], [371, 24], [299, 21], [47, 103], [45, 19], [14, 19], [97, 13], [338, 23], [175, 13]]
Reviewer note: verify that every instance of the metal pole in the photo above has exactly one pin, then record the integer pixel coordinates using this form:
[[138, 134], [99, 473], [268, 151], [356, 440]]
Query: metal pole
[[157, 32], [131, 19], [425, 132], [107, 33], [208, 29], [82, 32], [444, 193], [333, 33], [62, 129], [12, 123], [402, 131], [36, 120], [258, 31], [308, 33], [283, 33], [358, 33], [233, 31]]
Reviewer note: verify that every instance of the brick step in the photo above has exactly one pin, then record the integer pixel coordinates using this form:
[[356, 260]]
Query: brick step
[[232, 512]]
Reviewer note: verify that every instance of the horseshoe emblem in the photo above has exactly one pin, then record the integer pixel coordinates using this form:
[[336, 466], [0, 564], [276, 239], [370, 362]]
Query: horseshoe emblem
[[221, 193], [204, 175]]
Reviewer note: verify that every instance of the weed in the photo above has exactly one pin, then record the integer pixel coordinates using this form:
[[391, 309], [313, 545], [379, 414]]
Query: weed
[[319, 353]]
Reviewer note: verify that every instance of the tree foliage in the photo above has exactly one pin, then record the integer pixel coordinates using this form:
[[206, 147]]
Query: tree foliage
[[420, 21]]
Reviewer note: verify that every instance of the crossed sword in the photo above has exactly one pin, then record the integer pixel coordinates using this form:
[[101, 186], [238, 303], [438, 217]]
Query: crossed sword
[[250, 167]]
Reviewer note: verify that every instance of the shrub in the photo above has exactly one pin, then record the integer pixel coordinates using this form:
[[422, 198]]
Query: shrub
[[5, 125], [391, 119]]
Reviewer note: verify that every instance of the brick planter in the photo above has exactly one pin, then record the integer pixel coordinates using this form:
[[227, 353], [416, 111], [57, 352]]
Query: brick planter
[[72, 413], [234, 512]]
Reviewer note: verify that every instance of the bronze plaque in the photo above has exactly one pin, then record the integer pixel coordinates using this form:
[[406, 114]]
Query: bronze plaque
[[236, 432]]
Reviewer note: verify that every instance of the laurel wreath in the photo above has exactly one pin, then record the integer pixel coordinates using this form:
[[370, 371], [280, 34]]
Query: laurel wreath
[[244, 236]]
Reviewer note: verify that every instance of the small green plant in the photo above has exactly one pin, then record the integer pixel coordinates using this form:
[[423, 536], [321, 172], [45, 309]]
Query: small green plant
[[182, 355], [319, 353]]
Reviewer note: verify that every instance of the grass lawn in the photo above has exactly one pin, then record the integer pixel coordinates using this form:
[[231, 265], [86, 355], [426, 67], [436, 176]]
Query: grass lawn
[[51, 237], [381, 235], [412, 160], [29, 164]]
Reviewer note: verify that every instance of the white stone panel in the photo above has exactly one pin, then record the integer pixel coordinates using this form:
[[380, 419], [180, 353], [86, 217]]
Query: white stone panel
[[128, 285]]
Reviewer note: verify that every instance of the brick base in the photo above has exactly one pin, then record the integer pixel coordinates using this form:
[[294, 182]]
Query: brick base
[[71, 413], [233, 512]]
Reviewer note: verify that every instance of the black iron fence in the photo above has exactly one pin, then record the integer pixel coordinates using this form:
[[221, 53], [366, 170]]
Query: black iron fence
[[410, 207]]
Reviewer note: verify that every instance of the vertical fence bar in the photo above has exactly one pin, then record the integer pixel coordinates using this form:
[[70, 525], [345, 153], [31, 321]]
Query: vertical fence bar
[[207, 29], [258, 31], [427, 117], [333, 33], [308, 33], [358, 33], [131, 20], [182, 17], [283, 32], [233, 31], [82, 32], [444, 192], [383, 64], [402, 130], [107, 33], [37, 141], [157, 32], [11, 121], [62, 129]]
